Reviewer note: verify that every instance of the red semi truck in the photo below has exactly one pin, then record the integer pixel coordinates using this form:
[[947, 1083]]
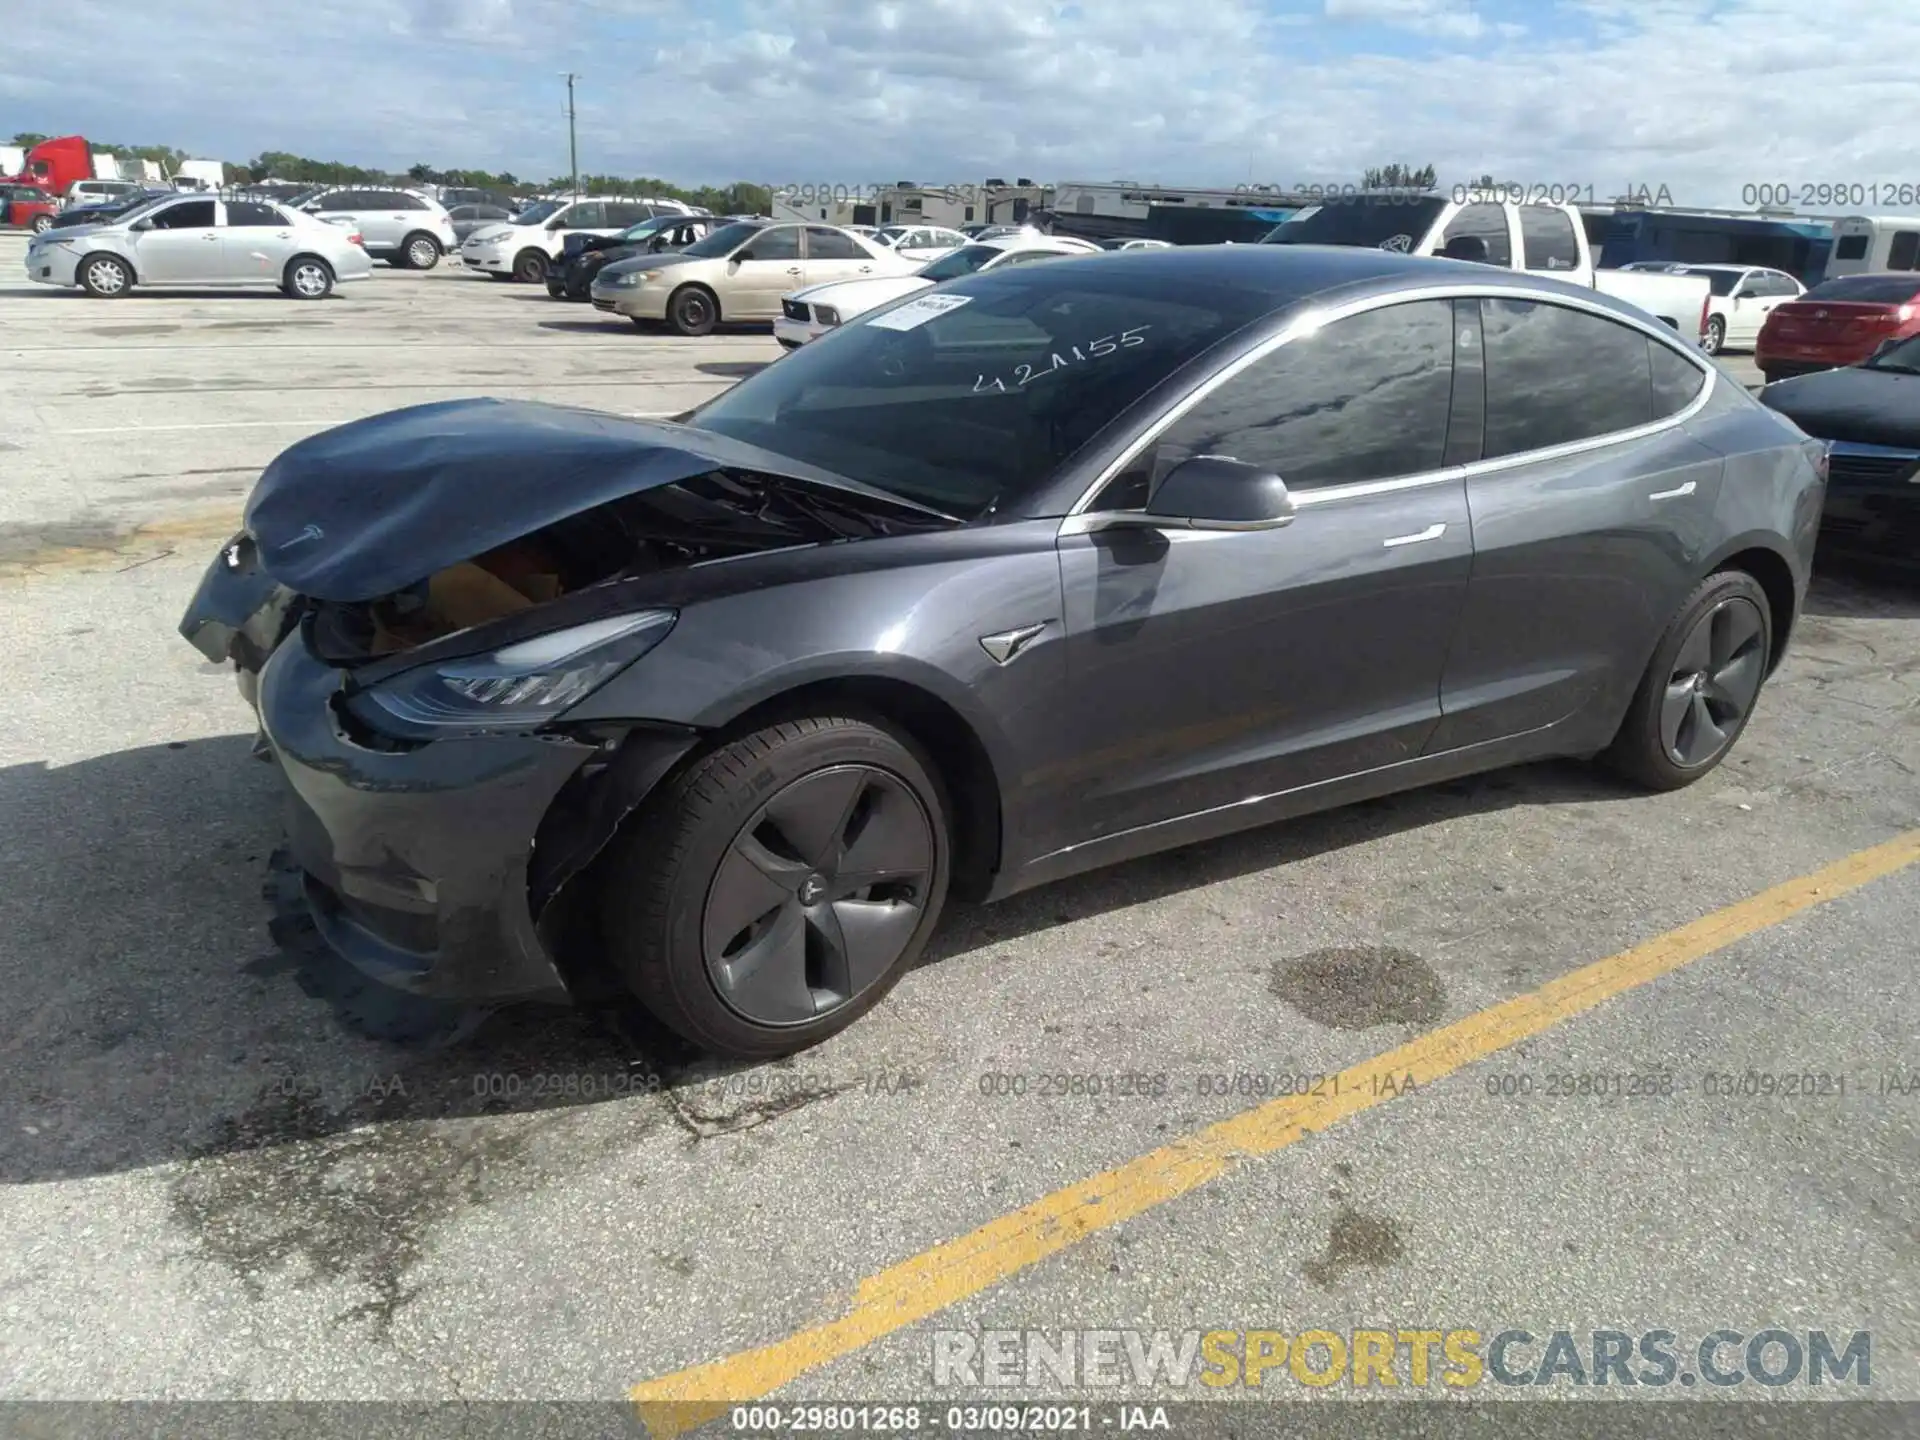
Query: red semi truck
[[54, 165]]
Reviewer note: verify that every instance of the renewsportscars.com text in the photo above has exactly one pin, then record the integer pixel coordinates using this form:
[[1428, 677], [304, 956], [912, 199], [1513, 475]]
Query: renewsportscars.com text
[[1456, 1358]]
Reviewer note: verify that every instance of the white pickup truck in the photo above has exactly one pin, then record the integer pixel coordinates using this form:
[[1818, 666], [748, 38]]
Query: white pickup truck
[[1539, 238]]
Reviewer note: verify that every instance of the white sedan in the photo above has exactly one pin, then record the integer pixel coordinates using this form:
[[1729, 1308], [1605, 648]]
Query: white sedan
[[919, 242], [809, 313], [196, 240]]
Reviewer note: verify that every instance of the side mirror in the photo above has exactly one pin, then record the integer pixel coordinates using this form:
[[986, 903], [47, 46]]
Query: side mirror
[[738, 257], [141, 225], [1216, 492], [559, 222], [1883, 347], [1466, 247], [1746, 294]]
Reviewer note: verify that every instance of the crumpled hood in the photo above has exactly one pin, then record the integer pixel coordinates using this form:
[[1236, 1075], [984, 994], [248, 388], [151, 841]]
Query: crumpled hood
[[1868, 407], [373, 506]]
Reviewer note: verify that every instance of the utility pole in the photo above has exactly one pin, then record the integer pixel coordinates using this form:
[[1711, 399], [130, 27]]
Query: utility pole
[[573, 147]]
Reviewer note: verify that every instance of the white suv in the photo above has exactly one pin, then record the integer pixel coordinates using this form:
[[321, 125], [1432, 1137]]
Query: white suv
[[403, 227], [522, 248]]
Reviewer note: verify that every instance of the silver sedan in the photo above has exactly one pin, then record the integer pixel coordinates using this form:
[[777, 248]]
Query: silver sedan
[[196, 241]]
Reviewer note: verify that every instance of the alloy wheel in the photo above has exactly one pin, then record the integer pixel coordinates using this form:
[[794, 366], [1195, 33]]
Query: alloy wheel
[[1716, 675], [422, 254], [818, 895], [310, 280], [1715, 337], [109, 278]]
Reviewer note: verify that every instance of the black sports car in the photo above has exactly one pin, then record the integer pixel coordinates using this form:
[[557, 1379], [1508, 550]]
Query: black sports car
[[1870, 415], [1048, 568], [571, 276]]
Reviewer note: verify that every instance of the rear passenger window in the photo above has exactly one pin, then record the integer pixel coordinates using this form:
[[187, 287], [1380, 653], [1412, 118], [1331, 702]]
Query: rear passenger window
[[1676, 380], [1488, 224], [1547, 240], [1557, 375], [1363, 398]]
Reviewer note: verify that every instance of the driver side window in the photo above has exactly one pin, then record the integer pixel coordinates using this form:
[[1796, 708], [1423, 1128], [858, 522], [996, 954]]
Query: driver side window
[[1364, 398], [781, 242]]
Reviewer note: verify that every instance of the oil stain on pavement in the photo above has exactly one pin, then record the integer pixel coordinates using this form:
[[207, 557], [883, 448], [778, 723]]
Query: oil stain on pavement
[[1355, 1239], [1359, 987]]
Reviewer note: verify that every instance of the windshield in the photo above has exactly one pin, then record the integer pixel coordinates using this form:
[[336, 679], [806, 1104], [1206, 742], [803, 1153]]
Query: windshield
[[972, 397], [134, 212], [723, 241], [647, 227], [890, 234], [534, 214], [1392, 222], [1902, 355], [964, 261]]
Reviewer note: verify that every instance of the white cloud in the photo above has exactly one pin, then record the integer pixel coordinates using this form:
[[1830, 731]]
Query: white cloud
[[1700, 97], [1455, 19]]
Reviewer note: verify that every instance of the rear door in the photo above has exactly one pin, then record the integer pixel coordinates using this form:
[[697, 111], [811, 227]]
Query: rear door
[[256, 241], [1592, 509], [834, 255]]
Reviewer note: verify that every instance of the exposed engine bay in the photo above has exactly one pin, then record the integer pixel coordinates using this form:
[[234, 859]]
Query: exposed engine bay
[[711, 517]]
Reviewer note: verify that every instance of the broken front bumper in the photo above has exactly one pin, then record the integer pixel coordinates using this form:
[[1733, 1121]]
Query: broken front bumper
[[415, 861]]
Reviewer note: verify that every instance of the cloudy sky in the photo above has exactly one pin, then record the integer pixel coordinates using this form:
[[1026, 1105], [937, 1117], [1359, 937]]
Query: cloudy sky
[[1704, 97]]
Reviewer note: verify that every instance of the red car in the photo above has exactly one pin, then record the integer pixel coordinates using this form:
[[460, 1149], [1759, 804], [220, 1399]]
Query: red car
[[26, 207], [1838, 323]]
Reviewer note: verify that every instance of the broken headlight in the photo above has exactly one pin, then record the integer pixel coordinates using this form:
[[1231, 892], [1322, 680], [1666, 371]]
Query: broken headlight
[[517, 687]]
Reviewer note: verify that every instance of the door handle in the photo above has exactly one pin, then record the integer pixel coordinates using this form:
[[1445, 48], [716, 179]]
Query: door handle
[[1432, 532], [1673, 494], [793, 270], [866, 269], [209, 237]]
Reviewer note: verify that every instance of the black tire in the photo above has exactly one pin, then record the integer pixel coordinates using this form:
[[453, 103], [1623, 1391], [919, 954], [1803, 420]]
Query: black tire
[[664, 872], [40, 224], [307, 277], [496, 275], [693, 310], [106, 277], [1711, 710], [1715, 339], [556, 289], [420, 251], [530, 267]]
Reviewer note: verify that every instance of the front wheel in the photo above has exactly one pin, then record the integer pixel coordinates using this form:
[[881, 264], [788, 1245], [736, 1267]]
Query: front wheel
[[1716, 336], [106, 277], [530, 267], [772, 892], [1700, 688], [693, 310]]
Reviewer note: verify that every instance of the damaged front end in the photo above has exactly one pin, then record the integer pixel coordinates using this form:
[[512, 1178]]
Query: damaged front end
[[417, 603]]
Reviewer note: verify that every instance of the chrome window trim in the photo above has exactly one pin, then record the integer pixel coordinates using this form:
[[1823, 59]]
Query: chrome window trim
[[1314, 319]]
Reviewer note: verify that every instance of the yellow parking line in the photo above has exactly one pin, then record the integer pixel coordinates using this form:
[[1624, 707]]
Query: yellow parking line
[[948, 1273]]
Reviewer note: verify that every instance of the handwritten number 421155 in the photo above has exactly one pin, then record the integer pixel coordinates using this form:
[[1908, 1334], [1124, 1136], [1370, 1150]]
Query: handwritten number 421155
[[1025, 374]]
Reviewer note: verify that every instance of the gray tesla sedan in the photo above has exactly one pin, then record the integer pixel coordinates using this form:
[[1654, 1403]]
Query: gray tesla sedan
[[1046, 568]]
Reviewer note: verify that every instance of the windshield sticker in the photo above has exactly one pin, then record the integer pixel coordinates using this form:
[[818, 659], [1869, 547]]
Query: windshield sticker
[[1023, 374], [919, 311], [1399, 244]]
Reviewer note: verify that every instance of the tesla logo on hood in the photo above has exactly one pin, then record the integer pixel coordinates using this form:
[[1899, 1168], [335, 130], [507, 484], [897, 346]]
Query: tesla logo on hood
[[310, 532]]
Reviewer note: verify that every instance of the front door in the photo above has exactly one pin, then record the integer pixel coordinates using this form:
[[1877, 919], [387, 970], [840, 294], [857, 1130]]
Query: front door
[[1588, 533], [1211, 668], [183, 247], [762, 270]]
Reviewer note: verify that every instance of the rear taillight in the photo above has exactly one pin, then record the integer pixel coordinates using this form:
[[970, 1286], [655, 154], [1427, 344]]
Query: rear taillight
[[1819, 452], [1706, 305], [354, 239]]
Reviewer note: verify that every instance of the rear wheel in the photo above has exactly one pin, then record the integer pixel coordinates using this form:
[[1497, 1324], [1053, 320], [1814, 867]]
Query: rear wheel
[[106, 276], [1700, 688], [41, 224], [530, 267], [421, 251], [308, 277], [778, 887], [1716, 336]]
